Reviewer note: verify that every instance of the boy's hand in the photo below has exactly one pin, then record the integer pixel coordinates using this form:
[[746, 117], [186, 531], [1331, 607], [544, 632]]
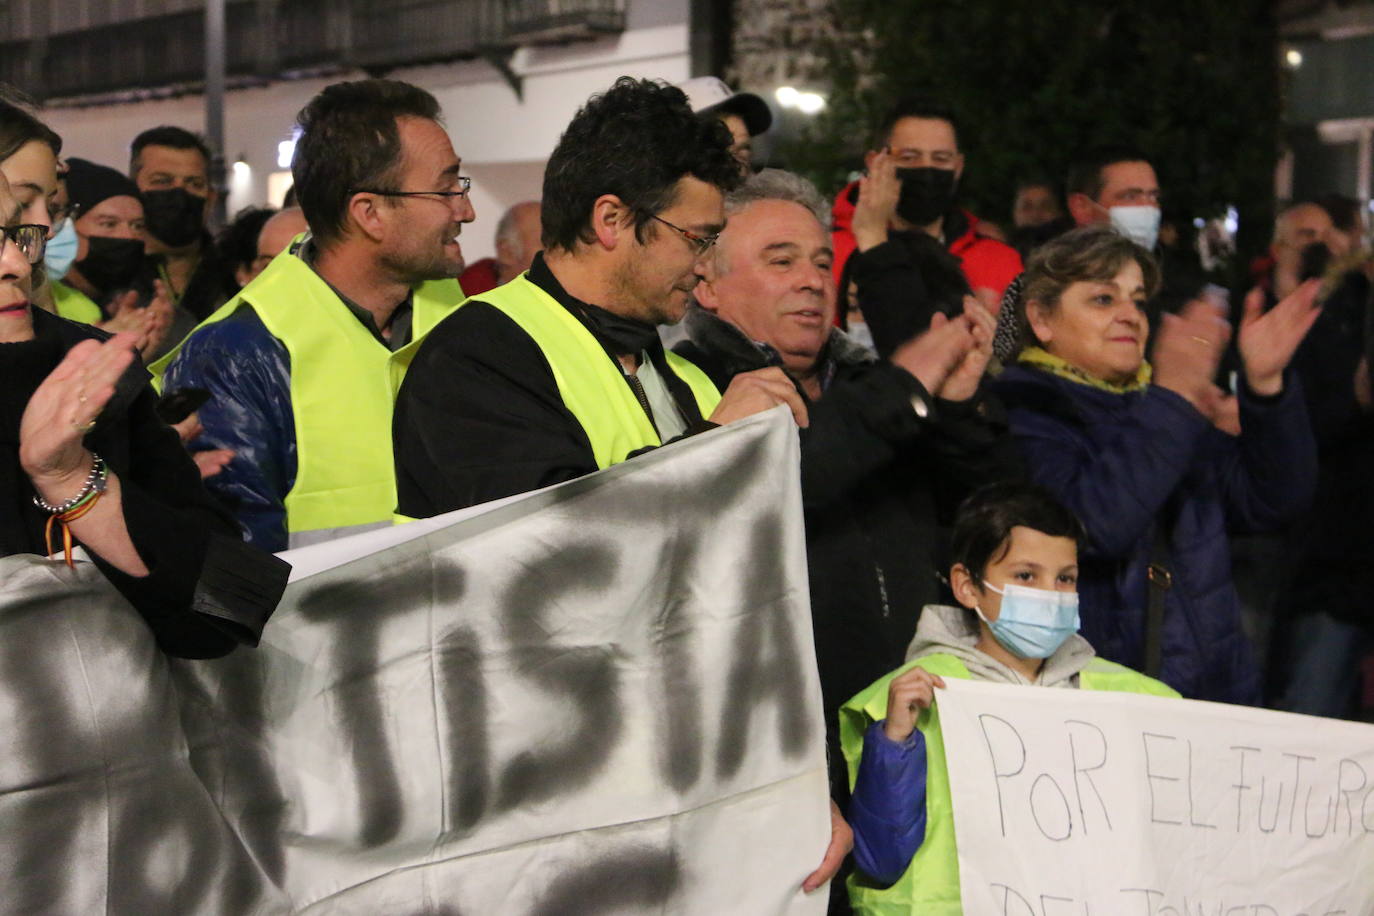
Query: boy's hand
[[907, 695]]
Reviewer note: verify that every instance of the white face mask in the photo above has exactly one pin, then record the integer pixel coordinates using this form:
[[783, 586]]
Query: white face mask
[[859, 333], [1139, 224]]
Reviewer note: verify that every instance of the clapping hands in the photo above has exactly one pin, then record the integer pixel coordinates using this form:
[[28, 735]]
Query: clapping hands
[[150, 323], [950, 358], [1269, 339]]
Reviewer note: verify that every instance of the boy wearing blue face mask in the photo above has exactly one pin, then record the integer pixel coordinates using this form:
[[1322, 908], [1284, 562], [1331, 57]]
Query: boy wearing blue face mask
[[1014, 571]]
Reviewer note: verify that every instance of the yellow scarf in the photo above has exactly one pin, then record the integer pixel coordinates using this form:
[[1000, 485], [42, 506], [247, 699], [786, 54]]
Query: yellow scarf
[[1042, 359]]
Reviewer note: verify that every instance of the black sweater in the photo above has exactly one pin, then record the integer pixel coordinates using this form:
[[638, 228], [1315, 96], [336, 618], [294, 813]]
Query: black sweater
[[206, 590], [480, 417]]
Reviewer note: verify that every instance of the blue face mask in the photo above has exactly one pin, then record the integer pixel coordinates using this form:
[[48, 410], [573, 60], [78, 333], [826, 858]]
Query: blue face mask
[[61, 251], [1033, 622]]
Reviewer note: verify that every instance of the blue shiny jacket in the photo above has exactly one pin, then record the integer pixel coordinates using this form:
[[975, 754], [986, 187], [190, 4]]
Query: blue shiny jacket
[[248, 374], [1128, 462]]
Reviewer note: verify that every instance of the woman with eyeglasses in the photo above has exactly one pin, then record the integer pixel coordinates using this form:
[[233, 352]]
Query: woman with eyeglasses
[[1156, 461], [29, 152], [28, 160], [85, 460]]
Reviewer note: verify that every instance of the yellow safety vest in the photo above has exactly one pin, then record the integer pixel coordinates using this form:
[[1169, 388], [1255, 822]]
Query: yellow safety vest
[[930, 885], [343, 392], [74, 305], [591, 383]]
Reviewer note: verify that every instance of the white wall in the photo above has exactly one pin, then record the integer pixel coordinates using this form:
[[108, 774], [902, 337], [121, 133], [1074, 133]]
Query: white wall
[[504, 142]]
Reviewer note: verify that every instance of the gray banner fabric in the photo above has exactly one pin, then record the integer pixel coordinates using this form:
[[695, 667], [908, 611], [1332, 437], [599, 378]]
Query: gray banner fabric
[[599, 698]]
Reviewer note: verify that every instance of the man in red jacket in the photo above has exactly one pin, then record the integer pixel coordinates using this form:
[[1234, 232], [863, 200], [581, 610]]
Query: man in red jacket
[[918, 142]]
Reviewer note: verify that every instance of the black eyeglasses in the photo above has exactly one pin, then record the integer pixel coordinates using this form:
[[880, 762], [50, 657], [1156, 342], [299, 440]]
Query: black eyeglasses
[[464, 182], [32, 240], [703, 243]]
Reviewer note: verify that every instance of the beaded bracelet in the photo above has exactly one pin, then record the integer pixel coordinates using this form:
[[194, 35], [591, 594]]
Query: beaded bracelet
[[74, 508], [95, 483]]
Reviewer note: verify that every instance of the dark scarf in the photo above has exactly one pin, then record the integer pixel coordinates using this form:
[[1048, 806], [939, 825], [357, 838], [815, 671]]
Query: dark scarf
[[619, 336], [626, 336]]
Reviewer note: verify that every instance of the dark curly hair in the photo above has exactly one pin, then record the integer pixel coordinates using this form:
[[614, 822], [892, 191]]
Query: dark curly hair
[[636, 141], [349, 140]]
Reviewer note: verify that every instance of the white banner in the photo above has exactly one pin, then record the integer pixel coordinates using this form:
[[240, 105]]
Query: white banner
[[1090, 803], [600, 698]]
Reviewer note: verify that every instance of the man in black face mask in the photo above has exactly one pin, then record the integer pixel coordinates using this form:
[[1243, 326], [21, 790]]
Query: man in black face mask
[[903, 216], [171, 167], [108, 218]]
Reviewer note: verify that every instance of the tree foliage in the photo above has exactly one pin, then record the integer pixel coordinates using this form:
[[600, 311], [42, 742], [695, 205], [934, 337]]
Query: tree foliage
[[1195, 85]]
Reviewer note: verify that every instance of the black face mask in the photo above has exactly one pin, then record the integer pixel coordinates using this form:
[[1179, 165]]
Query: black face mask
[[927, 194], [174, 216], [1315, 259], [110, 263]]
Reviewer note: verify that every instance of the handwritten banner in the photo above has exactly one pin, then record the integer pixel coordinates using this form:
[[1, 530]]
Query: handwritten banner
[[1082, 802], [598, 698]]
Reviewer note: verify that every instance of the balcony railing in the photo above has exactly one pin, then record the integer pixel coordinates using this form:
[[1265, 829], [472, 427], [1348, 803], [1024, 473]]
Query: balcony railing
[[94, 48]]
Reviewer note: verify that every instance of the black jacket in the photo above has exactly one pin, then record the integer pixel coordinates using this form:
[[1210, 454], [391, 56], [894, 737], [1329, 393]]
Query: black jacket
[[479, 415], [206, 589], [1332, 549], [879, 487]]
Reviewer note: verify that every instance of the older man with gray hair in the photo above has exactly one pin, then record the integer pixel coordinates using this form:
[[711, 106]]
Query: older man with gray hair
[[517, 242], [892, 445]]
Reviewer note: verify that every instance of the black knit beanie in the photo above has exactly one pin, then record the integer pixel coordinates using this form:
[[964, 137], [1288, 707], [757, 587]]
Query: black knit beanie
[[88, 184]]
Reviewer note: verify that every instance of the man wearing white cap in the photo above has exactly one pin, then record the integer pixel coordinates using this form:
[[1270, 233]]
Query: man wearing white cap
[[745, 114]]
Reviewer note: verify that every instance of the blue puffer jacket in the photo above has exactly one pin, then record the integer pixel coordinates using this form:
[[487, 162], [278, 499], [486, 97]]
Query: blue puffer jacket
[[1126, 462], [248, 374]]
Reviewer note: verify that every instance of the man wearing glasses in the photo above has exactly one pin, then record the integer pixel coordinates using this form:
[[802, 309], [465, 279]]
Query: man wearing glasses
[[300, 365], [561, 372]]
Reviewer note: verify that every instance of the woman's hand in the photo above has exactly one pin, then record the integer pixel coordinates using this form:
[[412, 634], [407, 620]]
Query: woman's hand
[[64, 409], [211, 461], [1269, 339], [189, 428], [1223, 410], [878, 193], [1188, 349], [907, 695]]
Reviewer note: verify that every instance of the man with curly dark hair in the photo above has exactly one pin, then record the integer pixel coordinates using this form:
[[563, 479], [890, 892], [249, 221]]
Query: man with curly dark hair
[[561, 372]]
